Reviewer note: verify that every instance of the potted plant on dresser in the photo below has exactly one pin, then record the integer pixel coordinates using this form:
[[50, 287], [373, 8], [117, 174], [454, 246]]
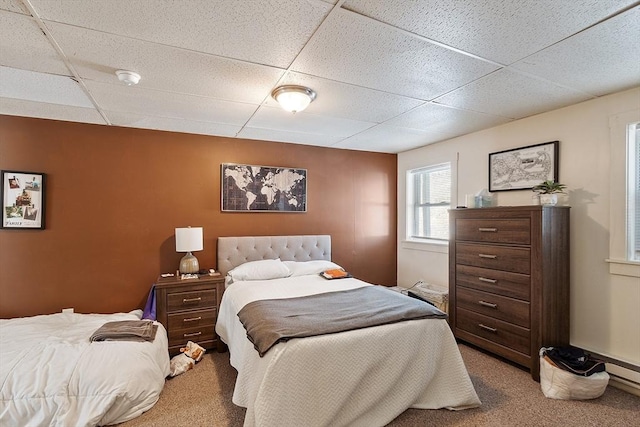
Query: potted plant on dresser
[[548, 192]]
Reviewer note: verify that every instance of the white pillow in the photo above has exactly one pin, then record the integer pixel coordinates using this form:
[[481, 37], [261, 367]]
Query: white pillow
[[260, 270], [302, 268]]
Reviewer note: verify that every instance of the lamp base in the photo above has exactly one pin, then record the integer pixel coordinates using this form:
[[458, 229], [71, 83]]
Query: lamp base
[[189, 264]]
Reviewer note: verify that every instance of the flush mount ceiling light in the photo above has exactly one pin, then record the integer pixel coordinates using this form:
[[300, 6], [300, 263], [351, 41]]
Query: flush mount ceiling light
[[293, 98], [128, 77]]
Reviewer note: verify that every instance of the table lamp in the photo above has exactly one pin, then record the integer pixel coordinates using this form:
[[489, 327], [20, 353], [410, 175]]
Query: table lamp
[[189, 240]]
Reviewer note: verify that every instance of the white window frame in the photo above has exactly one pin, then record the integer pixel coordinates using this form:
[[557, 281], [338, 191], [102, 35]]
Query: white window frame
[[411, 198], [621, 194], [633, 192]]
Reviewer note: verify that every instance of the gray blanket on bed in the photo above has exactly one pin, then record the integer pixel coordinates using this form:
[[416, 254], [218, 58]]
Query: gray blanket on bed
[[270, 321], [126, 330]]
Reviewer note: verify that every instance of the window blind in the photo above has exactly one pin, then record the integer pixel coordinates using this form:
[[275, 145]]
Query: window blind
[[634, 190], [431, 199]]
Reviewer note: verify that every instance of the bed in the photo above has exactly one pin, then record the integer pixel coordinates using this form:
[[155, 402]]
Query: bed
[[363, 377], [52, 374]]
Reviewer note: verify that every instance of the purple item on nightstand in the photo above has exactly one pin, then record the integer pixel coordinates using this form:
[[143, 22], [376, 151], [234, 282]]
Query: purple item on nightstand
[[150, 306]]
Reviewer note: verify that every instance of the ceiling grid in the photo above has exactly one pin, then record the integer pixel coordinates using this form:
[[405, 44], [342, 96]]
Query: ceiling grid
[[390, 75]]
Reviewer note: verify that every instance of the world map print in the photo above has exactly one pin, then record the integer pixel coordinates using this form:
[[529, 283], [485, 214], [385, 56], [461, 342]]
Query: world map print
[[263, 188]]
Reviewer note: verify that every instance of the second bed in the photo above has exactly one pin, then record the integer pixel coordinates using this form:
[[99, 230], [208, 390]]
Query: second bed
[[363, 377]]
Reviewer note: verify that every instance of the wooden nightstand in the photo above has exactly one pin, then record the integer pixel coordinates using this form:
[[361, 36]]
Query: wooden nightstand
[[188, 310]]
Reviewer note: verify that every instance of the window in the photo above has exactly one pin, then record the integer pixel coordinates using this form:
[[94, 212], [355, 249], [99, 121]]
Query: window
[[633, 192], [624, 227], [429, 198]]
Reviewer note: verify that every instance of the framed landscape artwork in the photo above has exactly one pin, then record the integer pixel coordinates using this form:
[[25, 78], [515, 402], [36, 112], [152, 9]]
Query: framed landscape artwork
[[22, 195], [250, 188], [522, 168]]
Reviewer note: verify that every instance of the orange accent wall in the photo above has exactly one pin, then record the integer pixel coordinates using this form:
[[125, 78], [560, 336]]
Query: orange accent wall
[[115, 195]]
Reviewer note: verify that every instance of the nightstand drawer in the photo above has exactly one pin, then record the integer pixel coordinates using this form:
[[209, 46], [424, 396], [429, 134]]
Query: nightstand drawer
[[496, 306], [514, 285], [191, 300], [503, 333], [512, 231], [192, 319], [515, 260], [197, 334]]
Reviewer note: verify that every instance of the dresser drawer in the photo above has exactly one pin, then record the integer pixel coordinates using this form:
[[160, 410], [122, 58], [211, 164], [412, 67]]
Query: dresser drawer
[[197, 334], [492, 305], [515, 260], [514, 285], [506, 334], [191, 300], [192, 319], [511, 231]]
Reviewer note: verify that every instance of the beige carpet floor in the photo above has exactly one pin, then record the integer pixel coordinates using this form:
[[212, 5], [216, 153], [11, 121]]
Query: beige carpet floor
[[202, 397]]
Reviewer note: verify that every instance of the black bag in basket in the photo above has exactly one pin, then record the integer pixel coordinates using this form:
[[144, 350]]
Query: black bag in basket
[[574, 360]]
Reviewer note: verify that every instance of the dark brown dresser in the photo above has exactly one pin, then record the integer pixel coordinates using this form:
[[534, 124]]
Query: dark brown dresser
[[188, 309], [509, 280]]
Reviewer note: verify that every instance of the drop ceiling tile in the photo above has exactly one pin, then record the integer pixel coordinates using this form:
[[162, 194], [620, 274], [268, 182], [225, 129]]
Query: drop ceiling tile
[[275, 118], [20, 34], [600, 60], [509, 94], [500, 30], [338, 99], [25, 108], [119, 118], [154, 103], [446, 120], [266, 32], [366, 73], [356, 50], [41, 87], [96, 56], [389, 139], [290, 137], [13, 6]]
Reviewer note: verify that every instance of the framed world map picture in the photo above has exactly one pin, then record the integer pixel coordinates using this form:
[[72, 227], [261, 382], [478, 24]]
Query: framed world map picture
[[249, 188]]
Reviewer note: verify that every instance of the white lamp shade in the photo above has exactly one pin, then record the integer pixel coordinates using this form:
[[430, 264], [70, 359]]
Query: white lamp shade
[[189, 239]]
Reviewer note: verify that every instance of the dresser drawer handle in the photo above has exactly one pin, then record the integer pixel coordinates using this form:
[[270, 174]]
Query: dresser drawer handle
[[484, 279], [193, 319], [191, 299], [488, 256], [195, 334], [488, 328], [488, 304], [487, 230]]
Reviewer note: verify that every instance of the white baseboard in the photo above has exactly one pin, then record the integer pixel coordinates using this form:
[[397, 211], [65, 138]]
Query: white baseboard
[[624, 375], [624, 384]]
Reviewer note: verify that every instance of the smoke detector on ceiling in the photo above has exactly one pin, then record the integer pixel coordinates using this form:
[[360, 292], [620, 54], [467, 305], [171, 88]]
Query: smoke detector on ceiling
[[128, 77]]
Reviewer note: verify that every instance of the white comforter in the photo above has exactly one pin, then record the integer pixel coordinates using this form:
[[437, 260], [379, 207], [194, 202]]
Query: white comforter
[[51, 375], [365, 377]]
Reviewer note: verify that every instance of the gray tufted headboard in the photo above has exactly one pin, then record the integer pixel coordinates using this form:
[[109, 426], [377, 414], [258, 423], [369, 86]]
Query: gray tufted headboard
[[233, 251]]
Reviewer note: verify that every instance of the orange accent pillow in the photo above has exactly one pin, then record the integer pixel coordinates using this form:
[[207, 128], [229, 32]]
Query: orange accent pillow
[[334, 274]]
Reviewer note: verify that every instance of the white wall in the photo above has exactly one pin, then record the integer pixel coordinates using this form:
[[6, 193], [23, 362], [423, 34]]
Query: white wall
[[605, 308]]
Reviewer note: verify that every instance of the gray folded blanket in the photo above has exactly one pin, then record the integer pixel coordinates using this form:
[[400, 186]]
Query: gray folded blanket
[[271, 321], [126, 330]]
